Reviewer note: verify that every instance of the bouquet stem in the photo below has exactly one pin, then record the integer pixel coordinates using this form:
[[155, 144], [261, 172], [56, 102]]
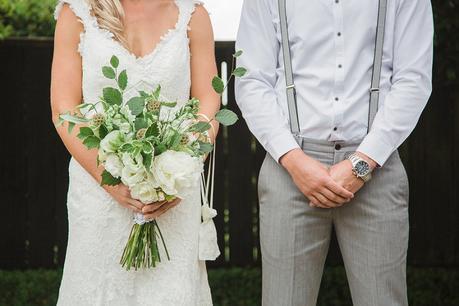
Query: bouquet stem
[[141, 250]]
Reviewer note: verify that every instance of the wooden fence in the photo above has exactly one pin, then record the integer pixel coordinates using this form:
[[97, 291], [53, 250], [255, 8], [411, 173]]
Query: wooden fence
[[34, 177]]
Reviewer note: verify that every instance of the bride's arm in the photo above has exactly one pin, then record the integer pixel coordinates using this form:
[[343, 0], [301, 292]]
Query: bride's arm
[[66, 94], [66, 87], [203, 65]]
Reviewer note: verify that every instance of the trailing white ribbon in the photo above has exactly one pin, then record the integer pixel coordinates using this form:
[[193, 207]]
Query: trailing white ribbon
[[208, 245]]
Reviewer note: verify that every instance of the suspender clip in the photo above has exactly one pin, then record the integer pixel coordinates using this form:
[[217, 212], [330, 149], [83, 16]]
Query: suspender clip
[[291, 86]]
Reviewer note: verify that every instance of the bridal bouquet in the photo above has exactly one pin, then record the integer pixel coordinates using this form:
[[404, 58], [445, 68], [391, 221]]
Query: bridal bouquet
[[151, 146]]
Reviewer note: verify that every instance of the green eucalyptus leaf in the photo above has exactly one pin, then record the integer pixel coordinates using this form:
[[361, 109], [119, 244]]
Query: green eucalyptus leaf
[[218, 85], [85, 132], [109, 180], [109, 72], [74, 119], [114, 61], [91, 142], [169, 104], [59, 122], [112, 96], [140, 123], [205, 147], [226, 117], [136, 105], [157, 92], [200, 127], [70, 127], [237, 54], [239, 71], [123, 80]]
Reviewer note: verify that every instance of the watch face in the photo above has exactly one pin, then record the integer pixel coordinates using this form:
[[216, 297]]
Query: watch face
[[362, 168]]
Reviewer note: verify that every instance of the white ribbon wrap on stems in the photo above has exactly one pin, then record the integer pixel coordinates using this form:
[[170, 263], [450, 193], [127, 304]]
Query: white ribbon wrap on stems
[[208, 245]]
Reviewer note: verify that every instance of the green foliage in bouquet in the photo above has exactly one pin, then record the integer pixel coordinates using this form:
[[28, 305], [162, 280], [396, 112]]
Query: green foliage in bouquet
[[134, 136]]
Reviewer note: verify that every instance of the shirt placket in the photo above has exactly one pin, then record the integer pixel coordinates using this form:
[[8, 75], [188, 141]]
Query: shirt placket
[[338, 88]]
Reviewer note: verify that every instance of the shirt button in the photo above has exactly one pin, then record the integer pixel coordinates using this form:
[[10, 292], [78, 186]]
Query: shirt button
[[336, 1], [336, 99], [339, 34], [340, 66], [337, 147], [335, 128]]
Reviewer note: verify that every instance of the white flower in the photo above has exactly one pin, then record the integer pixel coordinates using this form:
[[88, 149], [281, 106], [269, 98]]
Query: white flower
[[177, 173], [133, 172], [126, 112], [102, 155], [122, 123], [132, 176], [113, 165], [112, 142], [144, 192]]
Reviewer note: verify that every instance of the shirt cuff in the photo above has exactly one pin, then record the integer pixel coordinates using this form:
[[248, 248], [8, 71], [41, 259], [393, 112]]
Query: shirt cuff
[[375, 148], [281, 144]]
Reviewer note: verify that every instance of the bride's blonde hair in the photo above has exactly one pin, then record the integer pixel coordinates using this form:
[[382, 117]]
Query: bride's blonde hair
[[110, 16]]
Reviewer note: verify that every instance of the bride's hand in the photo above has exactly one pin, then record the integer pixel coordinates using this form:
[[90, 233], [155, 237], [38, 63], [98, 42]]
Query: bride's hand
[[154, 210], [122, 195]]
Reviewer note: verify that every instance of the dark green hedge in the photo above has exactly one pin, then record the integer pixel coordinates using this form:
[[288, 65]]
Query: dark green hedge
[[242, 287], [31, 18]]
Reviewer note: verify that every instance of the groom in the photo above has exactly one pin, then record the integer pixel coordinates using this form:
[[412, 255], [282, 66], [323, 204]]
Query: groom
[[328, 168]]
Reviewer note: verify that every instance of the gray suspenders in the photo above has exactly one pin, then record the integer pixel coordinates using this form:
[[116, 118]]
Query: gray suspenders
[[376, 74]]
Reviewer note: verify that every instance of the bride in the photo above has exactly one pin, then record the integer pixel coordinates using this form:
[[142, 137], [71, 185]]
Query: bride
[[159, 42]]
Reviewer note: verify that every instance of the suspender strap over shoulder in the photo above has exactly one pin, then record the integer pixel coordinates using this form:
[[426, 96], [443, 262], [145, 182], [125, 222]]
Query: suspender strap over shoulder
[[291, 91], [377, 63], [376, 74]]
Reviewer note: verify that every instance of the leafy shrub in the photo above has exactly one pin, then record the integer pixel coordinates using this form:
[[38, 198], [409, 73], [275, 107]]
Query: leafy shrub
[[26, 18], [242, 287]]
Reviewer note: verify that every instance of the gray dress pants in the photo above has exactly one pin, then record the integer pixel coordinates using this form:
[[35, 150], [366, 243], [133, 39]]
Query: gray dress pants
[[372, 232]]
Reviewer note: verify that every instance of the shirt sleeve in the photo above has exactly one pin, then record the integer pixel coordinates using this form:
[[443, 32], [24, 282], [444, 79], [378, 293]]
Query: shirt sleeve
[[255, 92], [411, 81]]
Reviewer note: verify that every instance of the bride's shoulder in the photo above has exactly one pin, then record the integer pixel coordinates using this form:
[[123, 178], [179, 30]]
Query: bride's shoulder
[[200, 23]]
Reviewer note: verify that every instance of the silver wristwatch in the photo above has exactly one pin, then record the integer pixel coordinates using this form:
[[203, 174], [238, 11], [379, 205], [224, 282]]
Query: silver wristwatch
[[360, 167]]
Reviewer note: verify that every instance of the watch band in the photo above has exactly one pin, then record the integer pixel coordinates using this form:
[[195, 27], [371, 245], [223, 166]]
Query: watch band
[[354, 159]]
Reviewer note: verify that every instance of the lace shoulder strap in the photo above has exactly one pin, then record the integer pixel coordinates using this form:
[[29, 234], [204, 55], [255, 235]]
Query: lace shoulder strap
[[80, 8], [187, 8]]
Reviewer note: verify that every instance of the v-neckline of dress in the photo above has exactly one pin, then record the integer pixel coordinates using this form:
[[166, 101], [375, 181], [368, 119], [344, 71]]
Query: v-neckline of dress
[[163, 39]]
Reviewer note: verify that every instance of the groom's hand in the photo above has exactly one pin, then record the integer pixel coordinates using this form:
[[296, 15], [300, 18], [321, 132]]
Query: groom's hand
[[342, 174], [314, 180]]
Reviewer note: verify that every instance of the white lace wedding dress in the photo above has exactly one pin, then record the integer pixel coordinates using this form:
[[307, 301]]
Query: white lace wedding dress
[[98, 226]]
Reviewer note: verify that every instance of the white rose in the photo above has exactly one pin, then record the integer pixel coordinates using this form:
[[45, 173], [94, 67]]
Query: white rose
[[133, 162], [133, 172], [102, 155], [177, 173], [132, 176], [144, 192], [112, 141], [113, 165]]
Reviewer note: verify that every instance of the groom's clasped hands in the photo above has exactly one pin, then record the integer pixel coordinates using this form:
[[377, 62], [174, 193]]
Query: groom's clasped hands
[[325, 187]]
